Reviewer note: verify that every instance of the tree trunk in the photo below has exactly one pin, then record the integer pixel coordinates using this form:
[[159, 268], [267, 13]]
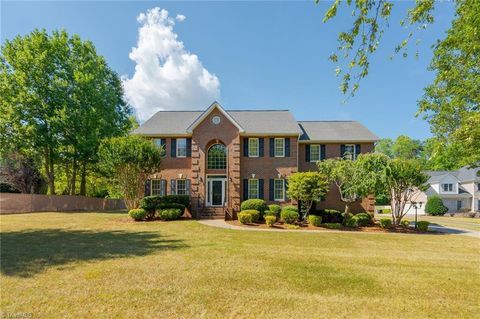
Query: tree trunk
[[83, 182], [345, 213], [73, 179], [49, 172]]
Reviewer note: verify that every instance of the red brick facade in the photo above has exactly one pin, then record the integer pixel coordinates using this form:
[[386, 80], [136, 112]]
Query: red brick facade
[[240, 167]]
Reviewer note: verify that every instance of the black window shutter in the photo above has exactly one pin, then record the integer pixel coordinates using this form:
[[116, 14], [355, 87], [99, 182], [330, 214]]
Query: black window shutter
[[173, 187], [307, 153], [271, 189], [189, 147], [342, 150], [163, 187], [286, 188], [173, 147], [245, 189], [322, 152], [261, 194], [187, 186], [272, 146], [245, 147], [163, 144], [357, 150], [261, 147], [287, 147], [147, 188]]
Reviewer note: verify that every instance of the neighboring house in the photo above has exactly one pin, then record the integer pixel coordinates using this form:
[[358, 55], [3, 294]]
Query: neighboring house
[[223, 157], [459, 190]]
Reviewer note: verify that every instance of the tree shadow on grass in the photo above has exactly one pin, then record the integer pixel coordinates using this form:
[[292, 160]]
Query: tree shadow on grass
[[26, 253]]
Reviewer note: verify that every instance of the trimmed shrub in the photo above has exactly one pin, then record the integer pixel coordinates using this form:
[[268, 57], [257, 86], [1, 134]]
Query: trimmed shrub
[[405, 223], [364, 219], [176, 199], [150, 203], [292, 226], [170, 214], [245, 218], [254, 213], [385, 222], [435, 207], [171, 205], [275, 208], [289, 216], [314, 220], [290, 207], [352, 222], [270, 220], [137, 214], [254, 204], [330, 216], [332, 225], [268, 213], [423, 225]]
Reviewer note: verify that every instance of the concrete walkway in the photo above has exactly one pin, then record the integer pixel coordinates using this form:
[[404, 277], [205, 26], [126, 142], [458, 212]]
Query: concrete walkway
[[220, 223]]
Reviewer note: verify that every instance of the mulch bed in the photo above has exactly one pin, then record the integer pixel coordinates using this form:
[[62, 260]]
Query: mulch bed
[[372, 229]]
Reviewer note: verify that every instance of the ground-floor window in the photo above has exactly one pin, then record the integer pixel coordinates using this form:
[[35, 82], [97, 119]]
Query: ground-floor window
[[158, 187], [181, 187], [279, 189], [253, 189], [459, 204]]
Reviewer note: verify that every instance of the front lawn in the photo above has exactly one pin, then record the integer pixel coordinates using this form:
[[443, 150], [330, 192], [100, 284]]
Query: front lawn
[[94, 265]]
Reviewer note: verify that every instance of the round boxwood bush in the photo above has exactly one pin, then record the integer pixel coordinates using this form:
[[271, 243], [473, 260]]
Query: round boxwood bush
[[405, 223], [290, 207], [138, 214], [275, 208], [435, 207], [270, 213], [352, 222], [270, 220], [385, 222], [363, 219], [289, 216], [170, 214], [254, 204], [423, 225], [245, 218], [314, 220], [254, 213]]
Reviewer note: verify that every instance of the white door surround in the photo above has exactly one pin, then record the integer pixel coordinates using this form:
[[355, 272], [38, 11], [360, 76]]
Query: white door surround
[[216, 190]]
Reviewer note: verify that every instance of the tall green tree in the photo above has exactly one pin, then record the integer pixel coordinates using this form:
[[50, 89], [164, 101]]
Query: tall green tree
[[402, 147], [128, 161], [59, 99]]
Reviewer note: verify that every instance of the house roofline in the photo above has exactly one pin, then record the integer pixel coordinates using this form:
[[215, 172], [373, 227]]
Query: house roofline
[[204, 115]]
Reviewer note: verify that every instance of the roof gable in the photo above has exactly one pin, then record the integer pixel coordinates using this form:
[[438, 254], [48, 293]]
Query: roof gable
[[203, 116]]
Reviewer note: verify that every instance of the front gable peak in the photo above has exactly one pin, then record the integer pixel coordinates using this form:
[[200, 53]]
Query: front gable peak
[[203, 116]]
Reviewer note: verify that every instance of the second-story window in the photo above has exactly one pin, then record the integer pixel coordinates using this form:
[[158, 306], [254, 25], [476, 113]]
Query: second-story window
[[447, 187], [349, 152], [160, 142], [253, 147], [279, 147], [314, 153], [181, 147]]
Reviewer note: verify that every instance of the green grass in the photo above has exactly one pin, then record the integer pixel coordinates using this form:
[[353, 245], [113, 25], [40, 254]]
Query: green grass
[[84, 265]]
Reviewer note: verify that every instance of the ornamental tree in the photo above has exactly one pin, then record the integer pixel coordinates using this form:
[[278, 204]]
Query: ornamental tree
[[129, 160], [307, 188]]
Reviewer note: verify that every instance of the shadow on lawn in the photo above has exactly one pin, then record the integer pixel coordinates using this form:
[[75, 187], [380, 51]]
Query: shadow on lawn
[[26, 253]]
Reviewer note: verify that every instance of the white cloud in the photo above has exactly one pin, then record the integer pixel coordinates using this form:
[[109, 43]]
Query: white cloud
[[180, 17], [167, 76]]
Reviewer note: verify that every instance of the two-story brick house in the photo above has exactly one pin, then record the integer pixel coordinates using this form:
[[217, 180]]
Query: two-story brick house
[[222, 157]]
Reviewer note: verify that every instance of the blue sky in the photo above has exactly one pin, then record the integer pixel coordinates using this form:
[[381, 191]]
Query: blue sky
[[256, 54]]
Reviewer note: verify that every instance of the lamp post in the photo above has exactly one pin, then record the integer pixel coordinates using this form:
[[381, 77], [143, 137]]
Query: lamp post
[[416, 207]]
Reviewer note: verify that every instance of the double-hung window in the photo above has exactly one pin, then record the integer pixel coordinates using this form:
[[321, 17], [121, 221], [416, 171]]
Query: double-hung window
[[157, 187], [181, 187], [349, 151], [181, 147], [447, 187], [279, 147], [315, 153], [253, 192], [279, 189], [253, 146], [159, 144]]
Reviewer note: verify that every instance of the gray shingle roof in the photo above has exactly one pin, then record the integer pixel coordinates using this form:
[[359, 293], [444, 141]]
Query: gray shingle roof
[[335, 131], [253, 122], [463, 174]]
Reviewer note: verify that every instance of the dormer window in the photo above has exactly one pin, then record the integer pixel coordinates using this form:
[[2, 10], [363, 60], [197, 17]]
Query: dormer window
[[447, 187]]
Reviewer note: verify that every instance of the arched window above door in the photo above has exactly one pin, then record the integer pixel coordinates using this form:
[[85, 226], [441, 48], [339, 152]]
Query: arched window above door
[[217, 157]]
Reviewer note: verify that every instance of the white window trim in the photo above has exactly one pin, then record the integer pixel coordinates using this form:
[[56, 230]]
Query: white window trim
[[258, 146], [448, 191], [176, 185], [258, 188], [354, 155], [275, 147], [177, 147], [283, 190], [160, 189], [319, 153]]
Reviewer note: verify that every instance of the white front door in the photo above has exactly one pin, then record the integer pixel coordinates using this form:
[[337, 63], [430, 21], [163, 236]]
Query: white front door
[[216, 190]]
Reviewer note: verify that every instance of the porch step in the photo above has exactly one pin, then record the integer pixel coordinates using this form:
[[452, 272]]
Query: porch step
[[213, 213]]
